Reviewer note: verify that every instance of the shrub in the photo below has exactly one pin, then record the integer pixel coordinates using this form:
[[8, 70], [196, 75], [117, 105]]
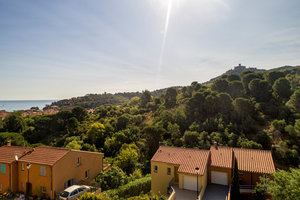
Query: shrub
[[110, 179], [134, 188], [91, 196]]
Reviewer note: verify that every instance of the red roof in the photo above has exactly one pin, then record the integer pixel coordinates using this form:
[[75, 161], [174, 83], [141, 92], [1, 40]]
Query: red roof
[[8, 153], [250, 160], [45, 155], [253, 160], [221, 156], [187, 159]]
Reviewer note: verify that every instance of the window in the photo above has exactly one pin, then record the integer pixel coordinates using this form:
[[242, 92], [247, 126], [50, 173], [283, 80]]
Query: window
[[22, 186], [43, 189], [22, 166], [87, 174], [155, 168], [78, 161], [0, 187], [42, 170], [169, 171], [74, 192], [3, 169]]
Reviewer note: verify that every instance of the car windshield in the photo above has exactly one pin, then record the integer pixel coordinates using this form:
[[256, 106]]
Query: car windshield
[[64, 194]]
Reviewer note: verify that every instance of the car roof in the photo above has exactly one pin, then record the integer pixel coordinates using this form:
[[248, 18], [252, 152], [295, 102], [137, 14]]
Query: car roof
[[73, 187]]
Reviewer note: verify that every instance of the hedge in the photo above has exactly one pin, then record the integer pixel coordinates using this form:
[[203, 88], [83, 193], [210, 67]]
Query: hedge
[[134, 188]]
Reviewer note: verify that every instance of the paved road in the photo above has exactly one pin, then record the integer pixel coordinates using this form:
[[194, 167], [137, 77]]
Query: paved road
[[215, 192]]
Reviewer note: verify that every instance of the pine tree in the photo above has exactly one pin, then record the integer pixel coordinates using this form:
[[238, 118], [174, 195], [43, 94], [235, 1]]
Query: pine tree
[[235, 184]]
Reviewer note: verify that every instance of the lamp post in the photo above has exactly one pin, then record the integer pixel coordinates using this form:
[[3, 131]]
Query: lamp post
[[28, 186], [197, 171]]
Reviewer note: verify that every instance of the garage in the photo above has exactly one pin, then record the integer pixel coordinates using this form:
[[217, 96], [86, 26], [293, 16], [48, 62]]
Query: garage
[[220, 178], [189, 183]]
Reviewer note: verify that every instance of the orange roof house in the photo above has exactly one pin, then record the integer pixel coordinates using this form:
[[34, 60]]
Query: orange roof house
[[8, 166], [46, 171], [174, 164]]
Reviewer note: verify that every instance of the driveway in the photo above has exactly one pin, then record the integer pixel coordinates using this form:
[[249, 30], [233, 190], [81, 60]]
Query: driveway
[[184, 194], [215, 192]]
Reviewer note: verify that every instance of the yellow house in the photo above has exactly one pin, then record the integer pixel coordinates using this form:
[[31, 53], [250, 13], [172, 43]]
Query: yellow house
[[174, 166], [9, 167], [179, 166], [46, 171]]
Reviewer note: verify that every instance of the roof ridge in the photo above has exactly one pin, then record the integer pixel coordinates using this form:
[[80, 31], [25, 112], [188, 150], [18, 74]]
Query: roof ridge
[[185, 148], [57, 148], [252, 149]]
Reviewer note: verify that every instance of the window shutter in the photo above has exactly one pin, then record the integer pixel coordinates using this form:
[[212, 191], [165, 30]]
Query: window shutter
[[3, 169], [74, 181], [42, 170]]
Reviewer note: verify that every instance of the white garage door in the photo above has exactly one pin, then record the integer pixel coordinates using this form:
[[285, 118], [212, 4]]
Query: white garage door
[[219, 177], [190, 183]]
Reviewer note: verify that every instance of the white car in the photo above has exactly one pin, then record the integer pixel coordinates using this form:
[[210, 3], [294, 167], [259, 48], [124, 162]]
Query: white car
[[73, 192]]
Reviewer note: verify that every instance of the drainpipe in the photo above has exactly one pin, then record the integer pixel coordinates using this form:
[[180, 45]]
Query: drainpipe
[[51, 183], [9, 167]]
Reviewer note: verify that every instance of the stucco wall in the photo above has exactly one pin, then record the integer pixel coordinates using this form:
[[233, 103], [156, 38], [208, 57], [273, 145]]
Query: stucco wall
[[35, 179], [4, 178], [204, 183], [14, 177], [160, 180], [220, 169], [245, 178], [67, 168]]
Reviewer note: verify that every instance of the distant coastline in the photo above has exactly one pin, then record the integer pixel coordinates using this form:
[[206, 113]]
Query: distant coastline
[[15, 105]]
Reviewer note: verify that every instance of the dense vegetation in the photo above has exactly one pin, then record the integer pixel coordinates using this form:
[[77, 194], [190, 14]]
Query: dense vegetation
[[91, 101], [283, 185], [250, 110]]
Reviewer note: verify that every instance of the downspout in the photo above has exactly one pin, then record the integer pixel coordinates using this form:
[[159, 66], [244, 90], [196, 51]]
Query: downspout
[[9, 177], [51, 182]]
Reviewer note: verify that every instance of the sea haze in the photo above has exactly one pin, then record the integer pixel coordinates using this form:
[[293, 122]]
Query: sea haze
[[14, 105]]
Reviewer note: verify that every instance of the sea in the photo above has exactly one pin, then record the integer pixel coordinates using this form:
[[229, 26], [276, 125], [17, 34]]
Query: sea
[[15, 105]]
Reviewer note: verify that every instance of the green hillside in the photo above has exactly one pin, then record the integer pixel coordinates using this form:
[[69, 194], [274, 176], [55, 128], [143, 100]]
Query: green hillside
[[250, 110]]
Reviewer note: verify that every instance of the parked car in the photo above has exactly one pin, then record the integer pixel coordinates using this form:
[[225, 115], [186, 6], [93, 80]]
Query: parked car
[[73, 192]]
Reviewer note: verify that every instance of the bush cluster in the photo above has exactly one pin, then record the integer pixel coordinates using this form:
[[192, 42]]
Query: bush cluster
[[134, 188]]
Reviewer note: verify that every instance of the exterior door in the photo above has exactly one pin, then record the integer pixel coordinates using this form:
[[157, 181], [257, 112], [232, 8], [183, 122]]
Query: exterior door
[[220, 178], [190, 183]]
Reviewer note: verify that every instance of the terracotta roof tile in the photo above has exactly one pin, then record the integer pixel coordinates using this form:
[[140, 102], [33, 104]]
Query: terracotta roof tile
[[187, 159], [45, 155], [7, 153], [253, 160], [221, 156]]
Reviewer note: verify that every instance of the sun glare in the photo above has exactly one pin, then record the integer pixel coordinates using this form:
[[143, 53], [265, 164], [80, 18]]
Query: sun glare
[[166, 26]]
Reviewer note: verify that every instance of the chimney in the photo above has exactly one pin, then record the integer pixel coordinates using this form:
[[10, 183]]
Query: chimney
[[215, 144], [8, 143]]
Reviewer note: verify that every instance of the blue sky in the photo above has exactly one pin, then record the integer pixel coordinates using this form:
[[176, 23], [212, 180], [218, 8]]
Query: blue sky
[[64, 48]]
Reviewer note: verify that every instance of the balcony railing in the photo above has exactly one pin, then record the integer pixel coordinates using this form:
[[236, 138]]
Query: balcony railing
[[246, 188], [171, 190]]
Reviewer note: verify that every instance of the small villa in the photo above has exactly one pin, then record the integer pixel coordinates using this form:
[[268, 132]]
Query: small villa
[[180, 167], [46, 171]]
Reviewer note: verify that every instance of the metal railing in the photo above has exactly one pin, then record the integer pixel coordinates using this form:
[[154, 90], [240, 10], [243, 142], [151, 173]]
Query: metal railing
[[171, 190], [199, 194], [247, 187]]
